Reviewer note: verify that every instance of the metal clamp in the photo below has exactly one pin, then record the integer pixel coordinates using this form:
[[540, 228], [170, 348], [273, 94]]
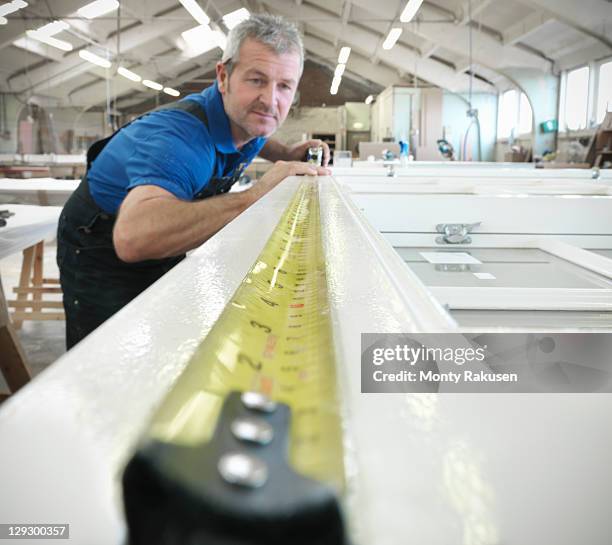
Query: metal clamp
[[455, 233]]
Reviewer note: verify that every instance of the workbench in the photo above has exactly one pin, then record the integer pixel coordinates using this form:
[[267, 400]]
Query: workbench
[[25, 232], [40, 191]]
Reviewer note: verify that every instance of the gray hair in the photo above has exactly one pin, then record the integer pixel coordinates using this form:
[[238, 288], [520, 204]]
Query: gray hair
[[277, 33]]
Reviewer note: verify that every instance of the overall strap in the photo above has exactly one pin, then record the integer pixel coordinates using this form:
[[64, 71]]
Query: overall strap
[[189, 106]]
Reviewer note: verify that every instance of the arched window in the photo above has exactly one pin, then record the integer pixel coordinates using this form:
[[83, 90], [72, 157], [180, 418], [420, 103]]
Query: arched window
[[576, 99], [525, 115], [604, 93], [515, 116]]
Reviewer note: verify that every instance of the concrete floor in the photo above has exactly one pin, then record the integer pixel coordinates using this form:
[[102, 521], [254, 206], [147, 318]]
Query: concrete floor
[[43, 341]]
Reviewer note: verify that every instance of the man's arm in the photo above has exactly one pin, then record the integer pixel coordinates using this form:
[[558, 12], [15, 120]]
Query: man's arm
[[274, 150], [154, 224]]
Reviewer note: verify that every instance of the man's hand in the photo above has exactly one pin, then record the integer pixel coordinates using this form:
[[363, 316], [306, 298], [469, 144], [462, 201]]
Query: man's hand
[[281, 170], [297, 152]]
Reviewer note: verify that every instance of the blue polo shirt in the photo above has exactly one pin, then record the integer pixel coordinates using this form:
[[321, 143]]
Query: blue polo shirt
[[171, 149]]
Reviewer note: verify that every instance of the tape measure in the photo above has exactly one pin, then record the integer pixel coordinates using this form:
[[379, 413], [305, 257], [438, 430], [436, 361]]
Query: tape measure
[[247, 447]]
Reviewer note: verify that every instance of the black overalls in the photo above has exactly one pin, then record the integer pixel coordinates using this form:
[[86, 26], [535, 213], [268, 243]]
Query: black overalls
[[95, 282]]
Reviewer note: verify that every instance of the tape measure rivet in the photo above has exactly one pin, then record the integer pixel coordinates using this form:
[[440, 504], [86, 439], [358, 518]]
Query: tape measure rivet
[[258, 402], [243, 469], [252, 429]]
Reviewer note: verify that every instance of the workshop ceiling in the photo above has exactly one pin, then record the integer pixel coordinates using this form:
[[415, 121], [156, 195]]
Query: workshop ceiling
[[144, 36]]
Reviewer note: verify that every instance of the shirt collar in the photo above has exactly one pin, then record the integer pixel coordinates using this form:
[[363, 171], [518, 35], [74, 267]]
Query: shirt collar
[[219, 123]]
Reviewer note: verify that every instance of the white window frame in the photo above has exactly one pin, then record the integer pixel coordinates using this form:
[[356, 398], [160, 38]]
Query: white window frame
[[592, 98], [596, 89], [569, 299], [563, 103], [573, 222], [515, 132]]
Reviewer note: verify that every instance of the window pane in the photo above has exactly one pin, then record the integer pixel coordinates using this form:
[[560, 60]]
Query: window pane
[[576, 98], [526, 115], [604, 94], [508, 113]]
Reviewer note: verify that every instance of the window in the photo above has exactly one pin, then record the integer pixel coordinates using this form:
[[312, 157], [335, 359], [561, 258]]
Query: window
[[508, 111], [515, 115], [576, 98], [525, 115], [604, 93]]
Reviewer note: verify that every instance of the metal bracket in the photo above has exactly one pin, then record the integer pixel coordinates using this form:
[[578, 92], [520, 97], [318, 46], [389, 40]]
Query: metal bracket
[[236, 489], [455, 233]]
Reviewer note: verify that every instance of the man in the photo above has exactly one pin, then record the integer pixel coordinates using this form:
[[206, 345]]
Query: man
[[158, 187]]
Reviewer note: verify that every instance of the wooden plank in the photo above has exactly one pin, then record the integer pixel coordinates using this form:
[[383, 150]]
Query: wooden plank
[[37, 275], [35, 304], [13, 361], [39, 316], [36, 289], [51, 281], [24, 277]]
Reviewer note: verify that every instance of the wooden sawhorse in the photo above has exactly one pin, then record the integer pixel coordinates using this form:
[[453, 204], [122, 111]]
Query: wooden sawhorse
[[32, 283], [29, 305]]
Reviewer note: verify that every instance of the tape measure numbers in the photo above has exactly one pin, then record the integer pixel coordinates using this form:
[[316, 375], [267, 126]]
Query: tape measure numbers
[[273, 337]]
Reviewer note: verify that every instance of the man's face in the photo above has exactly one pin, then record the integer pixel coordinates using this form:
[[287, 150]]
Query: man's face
[[258, 94]]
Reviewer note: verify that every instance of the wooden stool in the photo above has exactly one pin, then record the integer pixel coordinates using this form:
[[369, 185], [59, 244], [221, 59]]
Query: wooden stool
[[32, 283]]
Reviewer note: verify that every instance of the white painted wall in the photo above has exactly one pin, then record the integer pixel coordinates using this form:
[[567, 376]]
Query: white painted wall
[[313, 120], [456, 122]]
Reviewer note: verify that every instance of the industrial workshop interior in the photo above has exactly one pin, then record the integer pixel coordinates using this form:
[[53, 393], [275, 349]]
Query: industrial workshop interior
[[306, 272]]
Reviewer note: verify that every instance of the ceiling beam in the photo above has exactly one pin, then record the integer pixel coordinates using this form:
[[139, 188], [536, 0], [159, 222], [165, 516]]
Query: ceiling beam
[[96, 93], [34, 16], [487, 50], [591, 17], [463, 13], [573, 57], [428, 49], [365, 41], [358, 67], [526, 26], [72, 65]]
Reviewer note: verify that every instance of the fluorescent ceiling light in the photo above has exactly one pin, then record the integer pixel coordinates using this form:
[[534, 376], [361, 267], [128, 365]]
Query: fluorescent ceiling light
[[410, 10], [53, 42], [98, 8], [172, 92], [335, 84], [94, 59], [201, 39], [51, 29], [11, 7], [128, 74], [196, 11], [152, 84], [369, 99], [344, 55], [339, 70], [234, 18], [391, 38]]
